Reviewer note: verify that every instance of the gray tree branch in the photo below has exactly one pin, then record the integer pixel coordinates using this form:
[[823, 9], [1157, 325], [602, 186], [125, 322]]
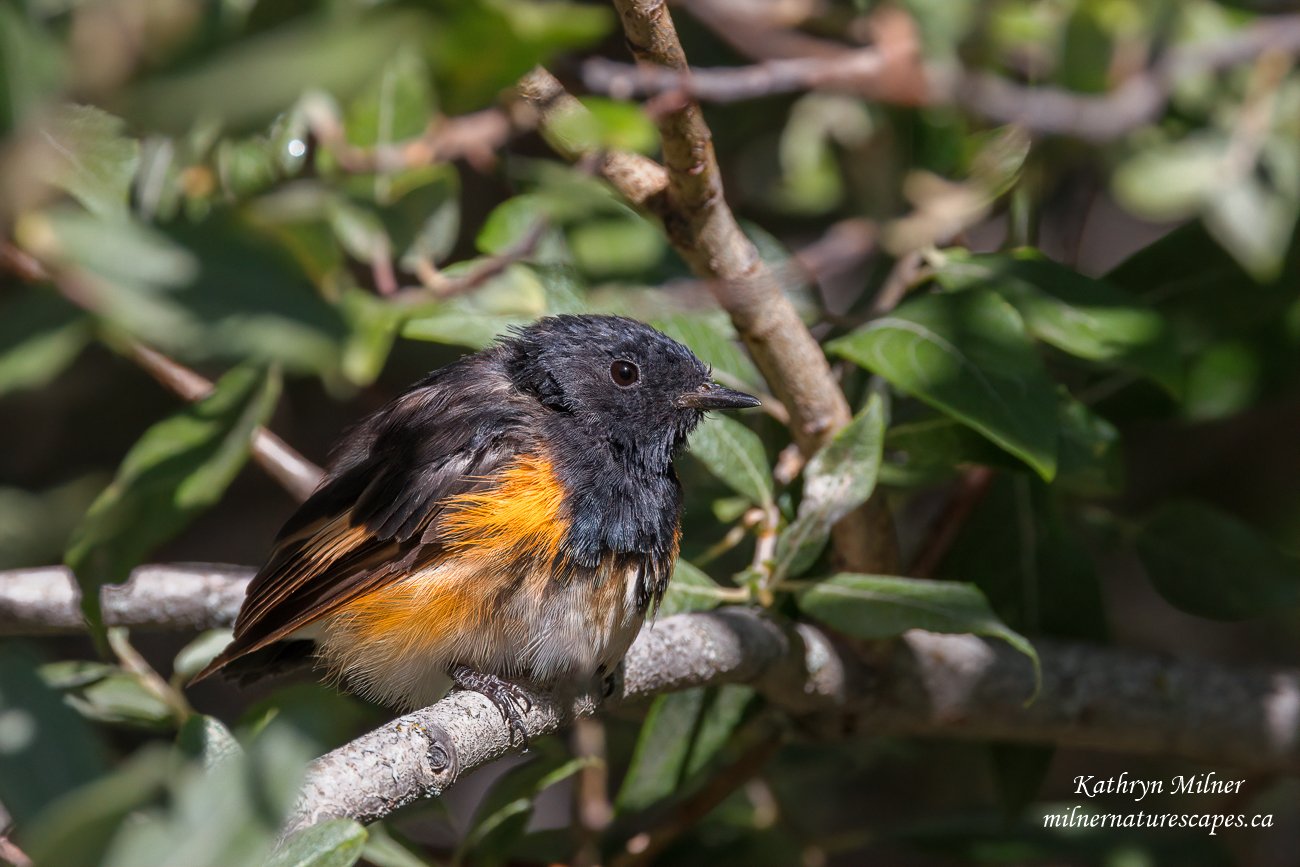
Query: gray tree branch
[[952, 686]]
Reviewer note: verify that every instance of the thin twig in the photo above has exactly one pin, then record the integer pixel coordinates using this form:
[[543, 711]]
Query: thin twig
[[11, 854], [1137, 101], [972, 487]]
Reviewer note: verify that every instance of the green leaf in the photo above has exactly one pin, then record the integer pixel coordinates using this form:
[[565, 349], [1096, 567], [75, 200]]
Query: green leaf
[[503, 815], [208, 740], [176, 470], [1086, 317], [734, 454], [966, 354], [1213, 565], [121, 699], [383, 850], [514, 297], [332, 843], [216, 289], [689, 590], [40, 335], [396, 105], [252, 80], [46, 749], [77, 830], [839, 478], [682, 732], [195, 656], [229, 813], [607, 124], [625, 245], [35, 525], [931, 449], [1021, 552], [884, 606], [88, 156]]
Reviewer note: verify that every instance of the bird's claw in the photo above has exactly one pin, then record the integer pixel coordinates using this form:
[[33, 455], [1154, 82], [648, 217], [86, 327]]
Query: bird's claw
[[511, 700]]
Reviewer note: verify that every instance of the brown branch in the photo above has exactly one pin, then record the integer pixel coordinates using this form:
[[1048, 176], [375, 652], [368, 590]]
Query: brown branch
[[687, 196], [474, 137], [878, 73]]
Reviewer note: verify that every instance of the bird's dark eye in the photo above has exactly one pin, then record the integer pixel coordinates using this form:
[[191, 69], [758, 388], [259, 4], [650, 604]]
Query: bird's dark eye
[[624, 373]]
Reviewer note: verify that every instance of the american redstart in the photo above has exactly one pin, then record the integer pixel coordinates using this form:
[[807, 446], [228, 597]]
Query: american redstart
[[514, 514]]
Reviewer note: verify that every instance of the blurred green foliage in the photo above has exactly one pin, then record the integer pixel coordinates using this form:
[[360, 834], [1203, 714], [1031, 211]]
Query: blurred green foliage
[[1107, 334]]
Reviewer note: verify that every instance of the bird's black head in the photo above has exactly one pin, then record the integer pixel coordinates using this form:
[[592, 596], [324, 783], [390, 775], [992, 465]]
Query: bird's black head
[[621, 381]]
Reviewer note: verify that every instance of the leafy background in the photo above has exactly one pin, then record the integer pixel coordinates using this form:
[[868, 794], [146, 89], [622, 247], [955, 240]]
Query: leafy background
[[1101, 339]]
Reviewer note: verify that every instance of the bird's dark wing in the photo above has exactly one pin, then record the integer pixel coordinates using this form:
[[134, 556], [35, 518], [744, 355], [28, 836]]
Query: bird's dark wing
[[375, 517]]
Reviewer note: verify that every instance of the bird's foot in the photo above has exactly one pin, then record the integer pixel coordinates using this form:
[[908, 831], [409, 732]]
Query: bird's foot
[[510, 699]]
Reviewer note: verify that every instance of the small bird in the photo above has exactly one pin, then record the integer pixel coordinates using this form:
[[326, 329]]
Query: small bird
[[513, 515]]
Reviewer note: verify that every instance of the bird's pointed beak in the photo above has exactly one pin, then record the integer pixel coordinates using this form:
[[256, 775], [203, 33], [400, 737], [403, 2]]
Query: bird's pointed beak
[[714, 396]]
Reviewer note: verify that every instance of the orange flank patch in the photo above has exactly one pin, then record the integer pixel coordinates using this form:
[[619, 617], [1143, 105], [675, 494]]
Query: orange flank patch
[[445, 604], [422, 610], [520, 514]]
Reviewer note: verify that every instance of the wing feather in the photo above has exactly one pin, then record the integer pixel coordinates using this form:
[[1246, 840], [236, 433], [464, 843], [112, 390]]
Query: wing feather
[[376, 514]]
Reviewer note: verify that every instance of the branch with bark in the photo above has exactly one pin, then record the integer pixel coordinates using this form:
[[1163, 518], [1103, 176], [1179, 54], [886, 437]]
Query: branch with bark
[[924, 684], [687, 196], [888, 73]]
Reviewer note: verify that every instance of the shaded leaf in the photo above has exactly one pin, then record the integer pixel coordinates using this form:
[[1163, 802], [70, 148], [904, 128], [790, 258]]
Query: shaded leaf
[[40, 335], [884, 606], [934, 448], [1213, 565], [838, 478], [503, 815], [968, 355], [383, 850], [177, 469], [77, 830], [1088, 318], [734, 454], [46, 748], [332, 843], [1018, 548], [682, 732], [690, 589], [207, 739], [229, 813]]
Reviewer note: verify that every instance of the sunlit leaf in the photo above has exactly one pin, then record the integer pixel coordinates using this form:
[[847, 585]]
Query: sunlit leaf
[[332, 843], [89, 156], [884, 606], [838, 478], [734, 454], [968, 355]]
